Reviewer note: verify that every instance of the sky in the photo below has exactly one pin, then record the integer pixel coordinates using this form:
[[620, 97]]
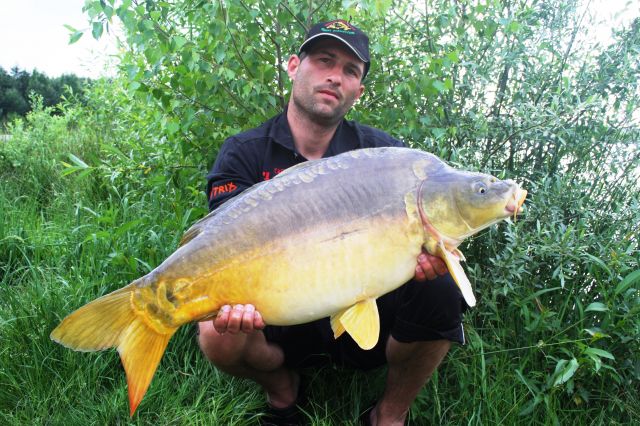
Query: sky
[[32, 35]]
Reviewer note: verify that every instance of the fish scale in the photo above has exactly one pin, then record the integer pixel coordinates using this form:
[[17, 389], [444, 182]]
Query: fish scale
[[324, 238]]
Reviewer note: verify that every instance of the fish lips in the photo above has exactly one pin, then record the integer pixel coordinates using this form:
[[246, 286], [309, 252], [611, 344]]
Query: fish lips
[[515, 204]]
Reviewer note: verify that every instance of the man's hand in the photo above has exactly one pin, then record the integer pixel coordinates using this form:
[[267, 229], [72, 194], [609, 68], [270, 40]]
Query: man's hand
[[242, 318], [429, 267]]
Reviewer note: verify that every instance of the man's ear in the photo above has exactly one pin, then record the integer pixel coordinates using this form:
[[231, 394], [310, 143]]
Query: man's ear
[[292, 66], [360, 91]]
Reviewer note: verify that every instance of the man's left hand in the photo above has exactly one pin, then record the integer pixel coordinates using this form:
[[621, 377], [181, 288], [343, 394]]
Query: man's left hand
[[429, 267]]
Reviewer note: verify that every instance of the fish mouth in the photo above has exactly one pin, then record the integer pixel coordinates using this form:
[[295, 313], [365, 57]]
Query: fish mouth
[[514, 205]]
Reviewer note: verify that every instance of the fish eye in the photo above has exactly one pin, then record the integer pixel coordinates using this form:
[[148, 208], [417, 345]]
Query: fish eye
[[481, 188]]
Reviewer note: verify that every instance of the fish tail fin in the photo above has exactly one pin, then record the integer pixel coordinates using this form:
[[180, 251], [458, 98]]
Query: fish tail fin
[[99, 324], [140, 351], [111, 321]]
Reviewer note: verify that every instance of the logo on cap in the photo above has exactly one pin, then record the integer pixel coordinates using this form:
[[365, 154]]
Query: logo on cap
[[338, 26]]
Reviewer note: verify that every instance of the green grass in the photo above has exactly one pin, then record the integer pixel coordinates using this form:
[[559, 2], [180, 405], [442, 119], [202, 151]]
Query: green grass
[[65, 240]]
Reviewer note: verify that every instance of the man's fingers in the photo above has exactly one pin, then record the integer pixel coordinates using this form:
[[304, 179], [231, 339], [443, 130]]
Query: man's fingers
[[439, 265], [429, 267], [247, 319], [258, 322], [425, 264], [240, 318], [222, 319], [235, 319], [419, 275]]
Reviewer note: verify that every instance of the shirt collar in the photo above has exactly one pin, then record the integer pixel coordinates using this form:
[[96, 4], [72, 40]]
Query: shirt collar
[[344, 139], [280, 131]]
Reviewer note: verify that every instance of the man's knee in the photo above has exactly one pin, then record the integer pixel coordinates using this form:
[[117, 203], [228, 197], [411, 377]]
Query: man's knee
[[222, 350], [230, 352], [398, 351]]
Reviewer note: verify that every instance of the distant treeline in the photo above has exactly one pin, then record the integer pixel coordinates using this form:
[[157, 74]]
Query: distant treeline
[[17, 85]]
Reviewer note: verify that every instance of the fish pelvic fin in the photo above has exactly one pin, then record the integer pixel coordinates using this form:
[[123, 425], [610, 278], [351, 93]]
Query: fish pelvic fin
[[111, 321], [361, 321], [457, 272]]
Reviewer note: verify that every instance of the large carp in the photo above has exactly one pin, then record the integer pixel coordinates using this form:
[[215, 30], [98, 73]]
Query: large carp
[[324, 238]]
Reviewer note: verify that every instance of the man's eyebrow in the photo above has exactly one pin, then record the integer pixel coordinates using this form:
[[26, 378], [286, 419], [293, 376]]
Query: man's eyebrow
[[333, 55]]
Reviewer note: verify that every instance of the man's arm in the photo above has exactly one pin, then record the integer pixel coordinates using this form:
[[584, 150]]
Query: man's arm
[[233, 172]]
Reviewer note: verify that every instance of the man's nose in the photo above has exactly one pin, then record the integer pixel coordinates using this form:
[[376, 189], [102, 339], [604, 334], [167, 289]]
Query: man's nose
[[334, 77]]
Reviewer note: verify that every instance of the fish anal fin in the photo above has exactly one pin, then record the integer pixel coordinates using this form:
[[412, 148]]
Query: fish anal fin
[[336, 325], [140, 351], [457, 272], [361, 321]]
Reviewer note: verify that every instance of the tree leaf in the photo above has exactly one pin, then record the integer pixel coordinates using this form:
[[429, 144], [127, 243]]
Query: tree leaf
[[75, 37], [597, 307], [565, 370], [172, 127], [96, 30], [627, 282], [440, 86], [599, 352]]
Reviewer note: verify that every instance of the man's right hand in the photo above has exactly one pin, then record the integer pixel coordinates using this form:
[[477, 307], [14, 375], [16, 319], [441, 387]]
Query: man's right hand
[[240, 318], [429, 267]]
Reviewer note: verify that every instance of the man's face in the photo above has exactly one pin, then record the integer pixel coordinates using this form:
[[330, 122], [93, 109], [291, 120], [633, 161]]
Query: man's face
[[327, 82]]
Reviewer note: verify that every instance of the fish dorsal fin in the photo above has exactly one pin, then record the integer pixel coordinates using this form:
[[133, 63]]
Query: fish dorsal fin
[[197, 228], [458, 274], [361, 321], [191, 233]]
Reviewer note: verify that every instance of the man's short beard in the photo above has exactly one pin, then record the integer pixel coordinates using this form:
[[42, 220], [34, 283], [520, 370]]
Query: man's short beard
[[309, 108]]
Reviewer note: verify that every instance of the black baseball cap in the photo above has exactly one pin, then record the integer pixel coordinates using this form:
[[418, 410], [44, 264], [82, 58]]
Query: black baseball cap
[[345, 32]]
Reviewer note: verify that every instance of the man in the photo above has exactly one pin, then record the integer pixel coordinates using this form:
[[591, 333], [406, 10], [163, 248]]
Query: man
[[418, 321]]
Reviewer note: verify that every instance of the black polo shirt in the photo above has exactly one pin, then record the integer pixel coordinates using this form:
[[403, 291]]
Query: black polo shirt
[[260, 154]]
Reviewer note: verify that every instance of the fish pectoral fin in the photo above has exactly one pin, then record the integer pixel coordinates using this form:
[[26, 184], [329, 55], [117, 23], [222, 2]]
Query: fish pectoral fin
[[458, 274], [459, 254], [361, 321]]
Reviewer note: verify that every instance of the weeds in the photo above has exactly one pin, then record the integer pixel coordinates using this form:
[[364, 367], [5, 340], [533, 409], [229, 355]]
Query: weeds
[[554, 339]]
